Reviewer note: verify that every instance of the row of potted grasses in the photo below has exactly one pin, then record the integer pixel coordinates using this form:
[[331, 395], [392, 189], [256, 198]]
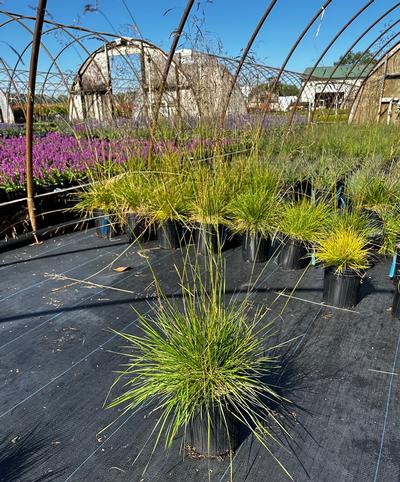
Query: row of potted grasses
[[251, 199]]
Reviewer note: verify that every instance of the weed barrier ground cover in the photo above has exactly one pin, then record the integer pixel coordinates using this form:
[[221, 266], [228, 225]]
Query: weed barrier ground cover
[[56, 362]]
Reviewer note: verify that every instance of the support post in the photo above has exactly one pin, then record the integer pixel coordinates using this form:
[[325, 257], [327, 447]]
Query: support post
[[29, 111]]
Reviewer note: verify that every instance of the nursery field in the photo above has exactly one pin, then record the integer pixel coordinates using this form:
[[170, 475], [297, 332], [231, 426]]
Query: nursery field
[[58, 353], [232, 315]]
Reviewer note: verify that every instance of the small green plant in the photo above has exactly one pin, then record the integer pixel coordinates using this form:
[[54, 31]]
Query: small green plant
[[255, 212], [99, 195], [344, 248], [132, 192], [359, 221], [391, 232], [304, 220]]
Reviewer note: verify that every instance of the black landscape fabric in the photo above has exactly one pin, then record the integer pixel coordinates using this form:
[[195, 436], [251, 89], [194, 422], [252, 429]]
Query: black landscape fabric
[[57, 357]]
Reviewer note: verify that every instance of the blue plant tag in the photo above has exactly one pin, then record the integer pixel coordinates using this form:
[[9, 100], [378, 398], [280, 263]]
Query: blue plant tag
[[105, 226], [392, 271]]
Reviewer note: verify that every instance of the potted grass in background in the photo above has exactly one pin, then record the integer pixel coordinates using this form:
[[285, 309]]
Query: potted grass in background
[[361, 221], [301, 224], [345, 257], [168, 207], [391, 246], [98, 201], [213, 188], [376, 192], [132, 191], [254, 213], [202, 366]]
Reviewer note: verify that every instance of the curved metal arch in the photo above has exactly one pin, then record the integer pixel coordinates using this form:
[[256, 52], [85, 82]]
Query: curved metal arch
[[114, 46], [12, 81], [244, 56], [367, 50], [19, 21], [55, 26], [177, 36], [358, 39], [393, 48], [289, 56], [363, 53], [324, 52]]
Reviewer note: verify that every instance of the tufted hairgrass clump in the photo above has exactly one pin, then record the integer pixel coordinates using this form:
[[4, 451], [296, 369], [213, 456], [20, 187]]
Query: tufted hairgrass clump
[[376, 191], [304, 220], [201, 355], [213, 190], [391, 232], [361, 222], [256, 207], [344, 248], [170, 197]]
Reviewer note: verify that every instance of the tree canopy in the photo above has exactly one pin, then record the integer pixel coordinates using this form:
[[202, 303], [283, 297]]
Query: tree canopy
[[356, 57]]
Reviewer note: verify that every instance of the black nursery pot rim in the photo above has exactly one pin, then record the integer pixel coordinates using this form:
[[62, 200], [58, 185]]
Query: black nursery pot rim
[[345, 272], [285, 239]]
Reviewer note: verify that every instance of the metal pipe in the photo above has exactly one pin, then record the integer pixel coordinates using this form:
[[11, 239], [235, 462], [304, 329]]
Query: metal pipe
[[171, 54], [289, 56], [363, 53], [377, 65], [243, 57], [29, 110], [326, 49], [359, 38]]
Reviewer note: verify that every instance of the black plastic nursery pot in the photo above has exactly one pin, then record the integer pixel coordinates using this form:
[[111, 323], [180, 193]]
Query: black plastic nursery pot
[[396, 277], [170, 234], [138, 230], [225, 433], [301, 189], [210, 238], [293, 254], [341, 289], [396, 301], [255, 247]]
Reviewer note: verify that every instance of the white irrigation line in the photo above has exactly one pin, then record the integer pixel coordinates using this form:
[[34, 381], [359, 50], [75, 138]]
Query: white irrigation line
[[318, 303], [52, 193], [101, 445], [95, 350]]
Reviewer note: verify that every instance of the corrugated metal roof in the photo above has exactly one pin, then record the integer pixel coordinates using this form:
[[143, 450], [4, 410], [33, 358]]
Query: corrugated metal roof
[[341, 72]]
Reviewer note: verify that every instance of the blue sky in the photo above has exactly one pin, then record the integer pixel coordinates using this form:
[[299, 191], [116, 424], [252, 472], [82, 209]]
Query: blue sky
[[223, 23]]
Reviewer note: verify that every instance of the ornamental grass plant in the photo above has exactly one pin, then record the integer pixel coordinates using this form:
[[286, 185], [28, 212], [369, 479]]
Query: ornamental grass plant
[[170, 197], [376, 191], [213, 189], [256, 206], [204, 354], [360, 221], [391, 231], [99, 195], [343, 248], [304, 220]]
